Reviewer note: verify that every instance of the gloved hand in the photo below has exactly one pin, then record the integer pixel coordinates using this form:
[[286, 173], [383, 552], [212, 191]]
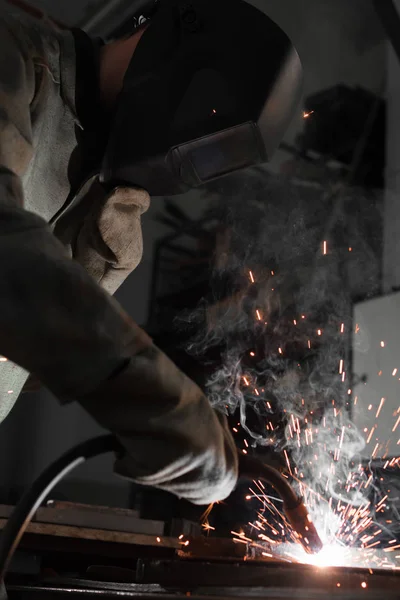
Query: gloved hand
[[173, 438]]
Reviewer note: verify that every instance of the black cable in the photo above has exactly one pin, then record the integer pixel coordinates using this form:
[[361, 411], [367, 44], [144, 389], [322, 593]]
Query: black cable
[[252, 468], [35, 495]]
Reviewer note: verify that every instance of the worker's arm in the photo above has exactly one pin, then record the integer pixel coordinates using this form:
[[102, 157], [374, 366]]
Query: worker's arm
[[57, 323]]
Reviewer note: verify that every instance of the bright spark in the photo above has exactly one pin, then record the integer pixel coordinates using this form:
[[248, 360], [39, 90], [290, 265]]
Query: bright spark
[[380, 407], [396, 425]]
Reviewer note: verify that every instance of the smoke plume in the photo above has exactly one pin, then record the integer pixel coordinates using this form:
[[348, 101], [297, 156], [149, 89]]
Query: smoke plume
[[290, 262]]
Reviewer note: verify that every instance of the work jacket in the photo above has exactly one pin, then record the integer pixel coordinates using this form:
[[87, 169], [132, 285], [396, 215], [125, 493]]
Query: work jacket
[[65, 247]]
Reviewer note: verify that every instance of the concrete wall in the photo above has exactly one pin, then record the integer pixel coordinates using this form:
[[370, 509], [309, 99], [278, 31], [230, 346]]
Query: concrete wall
[[378, 319], [392, 213], [376, 367]]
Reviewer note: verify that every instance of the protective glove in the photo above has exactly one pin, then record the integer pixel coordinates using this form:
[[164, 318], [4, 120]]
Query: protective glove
[[173, 439]]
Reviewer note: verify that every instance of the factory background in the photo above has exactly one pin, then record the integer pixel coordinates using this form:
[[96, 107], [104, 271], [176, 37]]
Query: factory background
[[340, 43]]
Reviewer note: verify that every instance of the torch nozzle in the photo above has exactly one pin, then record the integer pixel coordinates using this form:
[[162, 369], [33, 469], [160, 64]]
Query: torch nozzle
[[294, 508], [302, 524]]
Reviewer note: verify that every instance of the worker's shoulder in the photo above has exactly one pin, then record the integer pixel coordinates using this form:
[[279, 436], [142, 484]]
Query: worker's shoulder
[[36, 40]]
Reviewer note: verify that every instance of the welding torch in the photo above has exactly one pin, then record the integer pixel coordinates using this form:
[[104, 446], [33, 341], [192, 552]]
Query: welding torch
[[293, 505]]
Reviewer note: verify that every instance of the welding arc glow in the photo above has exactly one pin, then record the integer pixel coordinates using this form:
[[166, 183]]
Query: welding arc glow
[[329, 556]]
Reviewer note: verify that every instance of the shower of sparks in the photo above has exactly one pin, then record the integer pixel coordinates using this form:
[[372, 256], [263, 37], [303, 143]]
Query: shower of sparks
[[346, 503], [349, 529]]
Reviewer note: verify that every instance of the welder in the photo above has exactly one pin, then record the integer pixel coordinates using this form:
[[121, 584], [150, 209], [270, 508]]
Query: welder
[[88, 133]]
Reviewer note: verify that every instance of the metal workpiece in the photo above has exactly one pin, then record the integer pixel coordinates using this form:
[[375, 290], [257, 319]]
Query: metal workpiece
[[242, 580]]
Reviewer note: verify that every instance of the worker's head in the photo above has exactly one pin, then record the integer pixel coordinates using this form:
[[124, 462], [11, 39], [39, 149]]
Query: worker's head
[[210, 89]]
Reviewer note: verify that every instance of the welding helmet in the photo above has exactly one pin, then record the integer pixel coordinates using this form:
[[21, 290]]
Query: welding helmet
[[211, 88]]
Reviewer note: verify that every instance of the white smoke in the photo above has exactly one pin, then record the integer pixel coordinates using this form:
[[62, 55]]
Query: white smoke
[[282, 337]]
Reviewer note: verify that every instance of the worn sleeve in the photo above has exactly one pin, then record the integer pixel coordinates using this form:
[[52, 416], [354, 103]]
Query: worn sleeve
[[57, 323], [174, 440]]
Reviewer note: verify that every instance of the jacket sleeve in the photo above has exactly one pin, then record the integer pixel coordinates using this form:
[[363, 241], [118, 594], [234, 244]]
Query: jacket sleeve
[[57, 323]]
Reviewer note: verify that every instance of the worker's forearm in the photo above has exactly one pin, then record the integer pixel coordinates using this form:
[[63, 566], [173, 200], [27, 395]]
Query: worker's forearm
[[54, 320], [173, 439]]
